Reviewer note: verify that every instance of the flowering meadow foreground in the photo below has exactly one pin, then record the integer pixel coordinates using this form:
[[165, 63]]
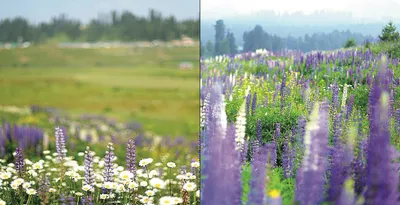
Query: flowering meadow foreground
[[89, 177], [295, 128]]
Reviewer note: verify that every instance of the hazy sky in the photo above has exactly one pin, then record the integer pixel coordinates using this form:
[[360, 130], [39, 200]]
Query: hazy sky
[[43, 10], [367, 9]]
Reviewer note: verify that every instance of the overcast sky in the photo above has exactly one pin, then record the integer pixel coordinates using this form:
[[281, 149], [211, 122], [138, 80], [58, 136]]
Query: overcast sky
[[43, 10], [367, 9]]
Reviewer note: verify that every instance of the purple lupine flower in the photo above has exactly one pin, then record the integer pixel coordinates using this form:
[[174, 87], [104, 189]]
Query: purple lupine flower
[[277, 131], [88, 138], [2, 143], [248, 99], [337, 130], [350, 106], [272, 153], [254, 104], [254, 144], [259, 131], [274, 200], [71, 200], [391, 103], [19, 162], [258, 176], [131, 157], [282, 91], [342, 157], [87, 200], [380, 188], [109, 164], [60, 144], [301, 129], [358, 168], [266, 101], [288, 157], [7, 131], [310, 178], [88, 168], [220, 158], [335, 96], [63, 200], [398, 119], [243, 153], [346, 198]]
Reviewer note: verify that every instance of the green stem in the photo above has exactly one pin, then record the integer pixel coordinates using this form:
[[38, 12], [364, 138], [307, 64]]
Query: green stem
[[170, 184], [29, 199]]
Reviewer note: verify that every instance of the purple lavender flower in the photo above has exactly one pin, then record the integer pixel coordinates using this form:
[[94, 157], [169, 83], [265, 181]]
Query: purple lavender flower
[[109, 164], [19, 162], [131, 157]]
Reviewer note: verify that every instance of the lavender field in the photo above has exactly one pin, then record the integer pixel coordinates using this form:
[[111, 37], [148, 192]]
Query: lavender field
[[300, 128]]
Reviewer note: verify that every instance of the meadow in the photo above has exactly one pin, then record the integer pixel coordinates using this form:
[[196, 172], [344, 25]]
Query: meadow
[[300, 128], [143, 84], [99, 126]]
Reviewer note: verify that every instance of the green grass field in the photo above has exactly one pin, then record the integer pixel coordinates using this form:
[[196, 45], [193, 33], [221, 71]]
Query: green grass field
[[145, 85]]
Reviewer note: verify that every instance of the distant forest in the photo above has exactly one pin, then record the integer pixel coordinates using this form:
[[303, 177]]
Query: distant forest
[[124, 26], [225, 41]]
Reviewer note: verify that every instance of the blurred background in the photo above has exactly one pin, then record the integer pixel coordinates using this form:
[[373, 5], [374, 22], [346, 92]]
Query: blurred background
[[104, 71]]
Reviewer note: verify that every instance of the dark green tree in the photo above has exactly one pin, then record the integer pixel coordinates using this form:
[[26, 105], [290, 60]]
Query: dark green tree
[[219, 37], [232, 44], [350, 43], [209, 49], [389, 33], [224, 48]]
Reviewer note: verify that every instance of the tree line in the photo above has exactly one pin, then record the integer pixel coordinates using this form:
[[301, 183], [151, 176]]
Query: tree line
[[257, 38], [115, 26]]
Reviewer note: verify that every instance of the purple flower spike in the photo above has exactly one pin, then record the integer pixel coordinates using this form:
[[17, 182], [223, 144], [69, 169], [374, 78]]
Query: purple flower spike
[[258, 176], [381, 188], [60, 144], [310, 178], [109, 164], [131, 157], [19, 162], [254, 104], [88, 166]]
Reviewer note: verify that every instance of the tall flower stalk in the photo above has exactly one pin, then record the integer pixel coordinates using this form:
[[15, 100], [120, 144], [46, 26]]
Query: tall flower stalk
[[61, 150]]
